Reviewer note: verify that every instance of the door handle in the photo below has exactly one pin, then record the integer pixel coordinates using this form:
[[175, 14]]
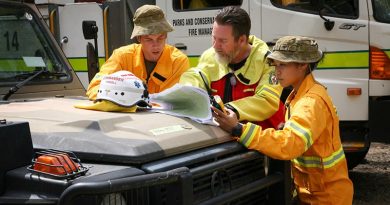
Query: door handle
[[271, 43], [181, 46]]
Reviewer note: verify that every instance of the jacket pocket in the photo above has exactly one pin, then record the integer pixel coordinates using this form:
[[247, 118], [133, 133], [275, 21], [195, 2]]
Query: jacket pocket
[[310, 180]]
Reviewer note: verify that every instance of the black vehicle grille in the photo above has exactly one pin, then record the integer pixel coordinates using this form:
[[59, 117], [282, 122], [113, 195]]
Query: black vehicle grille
[[212, 176], [232, 177], [154, 195], [138, 196], [218, 171], [159, 188], [158, 195], [257, 198]]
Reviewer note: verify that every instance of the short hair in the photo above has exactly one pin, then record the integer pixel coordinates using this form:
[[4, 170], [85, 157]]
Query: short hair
[[237, 17]]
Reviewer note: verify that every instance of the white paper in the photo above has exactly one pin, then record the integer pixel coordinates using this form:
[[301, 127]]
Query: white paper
[[183, 101], [34, 61]]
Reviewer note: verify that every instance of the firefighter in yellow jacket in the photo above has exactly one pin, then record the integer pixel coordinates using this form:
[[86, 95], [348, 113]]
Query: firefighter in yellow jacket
[[310, 137], [159, 65], [235, 68]]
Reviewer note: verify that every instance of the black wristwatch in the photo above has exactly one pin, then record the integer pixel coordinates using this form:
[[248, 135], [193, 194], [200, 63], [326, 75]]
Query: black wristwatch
[[237, 130]]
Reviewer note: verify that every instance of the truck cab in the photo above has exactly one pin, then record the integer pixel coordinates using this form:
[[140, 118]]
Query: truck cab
[[54, 153]]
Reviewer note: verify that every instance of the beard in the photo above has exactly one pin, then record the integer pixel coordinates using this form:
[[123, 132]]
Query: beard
[[222, 59], [226, 58]]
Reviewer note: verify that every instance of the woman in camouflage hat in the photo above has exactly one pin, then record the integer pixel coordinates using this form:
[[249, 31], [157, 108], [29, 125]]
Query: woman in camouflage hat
[[158, 64], [310, 137]]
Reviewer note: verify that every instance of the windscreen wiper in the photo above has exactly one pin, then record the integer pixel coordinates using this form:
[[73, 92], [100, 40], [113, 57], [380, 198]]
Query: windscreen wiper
[[15, 88], [46, 74]]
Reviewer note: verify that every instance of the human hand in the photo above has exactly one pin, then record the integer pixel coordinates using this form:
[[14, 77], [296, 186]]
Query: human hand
[[226, 121]]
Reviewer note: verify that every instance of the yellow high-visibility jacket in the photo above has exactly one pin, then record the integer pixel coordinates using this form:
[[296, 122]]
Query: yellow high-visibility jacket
[[311, 140], [265, 100], [170, 66]]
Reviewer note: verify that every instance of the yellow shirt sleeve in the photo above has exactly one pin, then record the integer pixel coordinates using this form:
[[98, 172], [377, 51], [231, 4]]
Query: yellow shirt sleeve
[[264, 103]]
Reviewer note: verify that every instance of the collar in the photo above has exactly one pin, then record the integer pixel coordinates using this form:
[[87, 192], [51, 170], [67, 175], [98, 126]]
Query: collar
[[305, 86], [163, 69], [252, 70], [161, 65]]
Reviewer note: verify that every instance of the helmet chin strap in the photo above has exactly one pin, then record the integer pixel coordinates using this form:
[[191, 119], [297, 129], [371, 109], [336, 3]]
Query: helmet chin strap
[[146, 93]]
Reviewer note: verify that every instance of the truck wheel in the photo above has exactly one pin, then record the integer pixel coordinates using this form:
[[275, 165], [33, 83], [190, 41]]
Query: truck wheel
[[355, 158], [356, 142]]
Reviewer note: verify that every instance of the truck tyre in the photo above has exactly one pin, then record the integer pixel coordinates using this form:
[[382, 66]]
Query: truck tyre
[[355, 158], [356, 142]]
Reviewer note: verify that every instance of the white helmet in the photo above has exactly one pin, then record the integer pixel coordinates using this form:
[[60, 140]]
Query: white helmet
[[124, 89]]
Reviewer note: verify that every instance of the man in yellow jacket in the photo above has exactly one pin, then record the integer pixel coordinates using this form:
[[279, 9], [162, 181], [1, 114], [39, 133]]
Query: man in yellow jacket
[[159, 65], [310, 137], [236, 70]]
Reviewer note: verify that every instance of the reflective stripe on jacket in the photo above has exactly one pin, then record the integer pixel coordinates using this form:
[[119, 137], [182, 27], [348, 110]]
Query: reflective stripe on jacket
[[262, 100], [170, 66], [311, 140]]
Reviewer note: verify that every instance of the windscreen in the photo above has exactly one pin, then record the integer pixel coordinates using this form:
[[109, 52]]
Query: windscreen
[[25, 49], [381, 10], [337, 8]]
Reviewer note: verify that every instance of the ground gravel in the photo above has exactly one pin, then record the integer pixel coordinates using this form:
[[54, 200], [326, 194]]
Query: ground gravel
[[371, 178]]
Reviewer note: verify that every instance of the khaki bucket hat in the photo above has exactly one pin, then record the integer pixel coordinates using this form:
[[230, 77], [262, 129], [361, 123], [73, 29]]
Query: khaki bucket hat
[[296, 49], [150, 19]]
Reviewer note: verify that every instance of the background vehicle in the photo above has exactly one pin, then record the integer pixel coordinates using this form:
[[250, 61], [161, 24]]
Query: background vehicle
[[113, 20], [353, 34], [138, 158]]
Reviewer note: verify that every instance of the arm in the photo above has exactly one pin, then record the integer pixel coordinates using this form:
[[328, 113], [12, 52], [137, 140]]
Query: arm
[[304, 127], [264, 103], [206, 65], [192, 78]]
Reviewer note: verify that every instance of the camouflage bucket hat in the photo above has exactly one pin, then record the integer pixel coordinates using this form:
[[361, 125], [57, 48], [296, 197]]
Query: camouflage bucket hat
[[150, 19], [296, 49]]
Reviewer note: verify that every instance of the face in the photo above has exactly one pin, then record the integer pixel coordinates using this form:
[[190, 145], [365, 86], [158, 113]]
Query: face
[[152, 46], [224, 44], [290, 73]]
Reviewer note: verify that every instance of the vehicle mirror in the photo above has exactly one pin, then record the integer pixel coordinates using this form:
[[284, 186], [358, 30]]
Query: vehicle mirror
[[90, 30], [328, 23]]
